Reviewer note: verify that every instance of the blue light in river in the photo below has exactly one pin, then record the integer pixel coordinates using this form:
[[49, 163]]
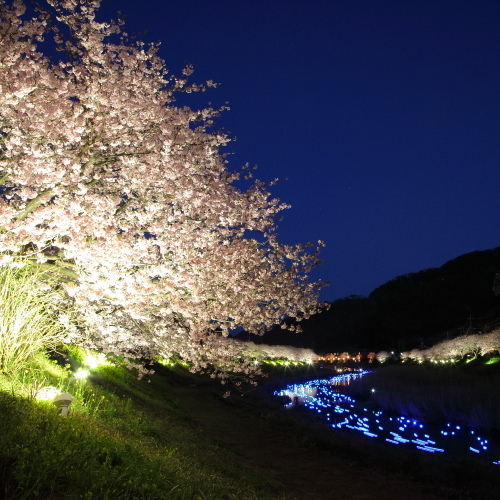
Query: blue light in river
[[344, 412]]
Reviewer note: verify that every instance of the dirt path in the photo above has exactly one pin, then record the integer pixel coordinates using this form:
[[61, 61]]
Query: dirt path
[[308, 472]]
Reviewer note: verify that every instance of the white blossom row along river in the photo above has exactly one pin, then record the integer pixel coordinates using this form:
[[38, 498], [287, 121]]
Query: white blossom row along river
[[342, 412]]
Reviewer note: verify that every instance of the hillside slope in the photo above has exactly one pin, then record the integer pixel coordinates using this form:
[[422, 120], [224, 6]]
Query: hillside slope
[[409, 311]]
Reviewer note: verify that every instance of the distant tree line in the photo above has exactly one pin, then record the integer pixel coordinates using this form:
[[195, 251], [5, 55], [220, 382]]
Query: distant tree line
[[411, 311]]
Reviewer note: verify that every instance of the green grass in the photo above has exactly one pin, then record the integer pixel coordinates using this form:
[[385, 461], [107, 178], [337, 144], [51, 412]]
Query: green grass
[[493, 360], [123, 438]]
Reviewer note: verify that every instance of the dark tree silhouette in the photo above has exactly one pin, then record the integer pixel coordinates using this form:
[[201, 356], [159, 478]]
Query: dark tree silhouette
[[409, 311]]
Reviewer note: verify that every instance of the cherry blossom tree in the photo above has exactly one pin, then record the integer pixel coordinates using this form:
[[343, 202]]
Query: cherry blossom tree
[[480, 344], [288, 352], [383, 356], [128, 199]]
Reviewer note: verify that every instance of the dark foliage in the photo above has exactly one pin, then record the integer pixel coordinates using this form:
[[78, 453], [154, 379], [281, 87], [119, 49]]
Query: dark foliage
[[412, 310]]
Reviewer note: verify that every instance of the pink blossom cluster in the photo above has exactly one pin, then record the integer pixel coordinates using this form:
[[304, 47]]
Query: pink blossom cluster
[[288, 352], [383, 356], [128, 199]]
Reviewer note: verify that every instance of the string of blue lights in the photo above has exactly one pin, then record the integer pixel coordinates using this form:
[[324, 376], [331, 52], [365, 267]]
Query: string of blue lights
[[343, 412]]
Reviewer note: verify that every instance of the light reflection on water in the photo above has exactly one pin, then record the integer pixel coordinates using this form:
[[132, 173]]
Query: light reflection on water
[[340, 411]]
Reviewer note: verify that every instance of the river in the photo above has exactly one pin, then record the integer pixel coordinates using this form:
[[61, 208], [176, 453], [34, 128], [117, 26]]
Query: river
[[345, 414]]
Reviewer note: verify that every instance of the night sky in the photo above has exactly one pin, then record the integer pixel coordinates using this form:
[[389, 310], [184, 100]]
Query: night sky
[[383, 116]]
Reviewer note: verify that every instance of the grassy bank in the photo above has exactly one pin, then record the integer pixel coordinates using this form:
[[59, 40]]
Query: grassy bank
[[175, 437], [123, 438]]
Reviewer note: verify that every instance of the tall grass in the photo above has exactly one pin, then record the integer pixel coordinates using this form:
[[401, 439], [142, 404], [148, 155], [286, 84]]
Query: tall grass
[[28, 322]]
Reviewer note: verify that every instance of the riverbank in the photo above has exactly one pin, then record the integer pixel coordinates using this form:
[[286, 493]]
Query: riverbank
[[176, 437], [315, 462], [292, 452]]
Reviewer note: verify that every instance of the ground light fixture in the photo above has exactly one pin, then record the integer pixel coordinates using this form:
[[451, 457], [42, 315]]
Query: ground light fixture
[[95, 359], [82, 374], [63, 401]]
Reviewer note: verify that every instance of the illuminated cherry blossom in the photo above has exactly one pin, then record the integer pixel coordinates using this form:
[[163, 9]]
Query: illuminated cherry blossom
[[128, 199], [480, 344]]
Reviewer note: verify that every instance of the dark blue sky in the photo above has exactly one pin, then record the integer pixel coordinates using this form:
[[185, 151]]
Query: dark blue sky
[[383, 115]]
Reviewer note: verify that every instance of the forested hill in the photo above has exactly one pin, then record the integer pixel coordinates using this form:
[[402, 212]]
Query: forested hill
[[409, 311]]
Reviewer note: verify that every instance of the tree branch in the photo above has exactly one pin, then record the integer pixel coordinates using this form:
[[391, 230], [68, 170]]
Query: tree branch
[[35, 203]]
